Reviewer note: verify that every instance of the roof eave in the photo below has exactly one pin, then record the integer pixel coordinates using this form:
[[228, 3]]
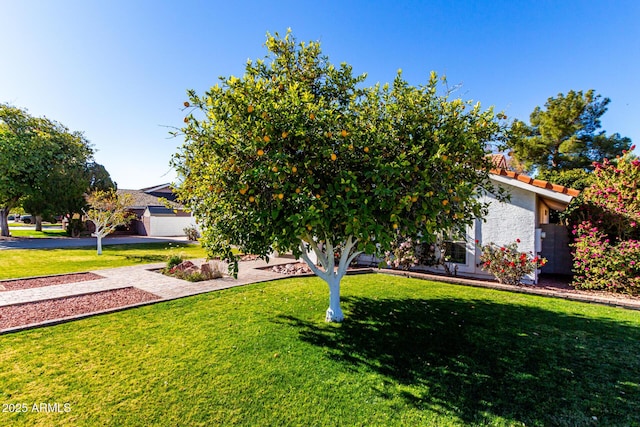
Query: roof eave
[[542, 188]]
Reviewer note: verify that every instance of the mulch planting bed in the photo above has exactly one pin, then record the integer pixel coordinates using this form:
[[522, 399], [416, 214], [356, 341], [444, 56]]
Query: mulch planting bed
[[38, 282], [15, 315]]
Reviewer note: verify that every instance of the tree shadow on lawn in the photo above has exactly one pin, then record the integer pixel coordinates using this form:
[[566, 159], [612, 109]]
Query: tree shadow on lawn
[[480, 359]]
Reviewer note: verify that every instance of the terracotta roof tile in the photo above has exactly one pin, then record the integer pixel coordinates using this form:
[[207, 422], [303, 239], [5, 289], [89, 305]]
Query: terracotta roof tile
[[536, 182]]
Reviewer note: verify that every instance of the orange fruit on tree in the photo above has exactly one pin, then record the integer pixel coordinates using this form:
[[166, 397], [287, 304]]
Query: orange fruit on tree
[[312, 116], [285, 134], [414, 199], [186, 104], [445, 202], [252, 199], [366, 149], [294, 169], [275, 169], [329, 134], [280, 196], [261, 152], [250, 109], [298, 190], [266, 138], [395, 226], [334, 157], [343, 133], [186, 119]]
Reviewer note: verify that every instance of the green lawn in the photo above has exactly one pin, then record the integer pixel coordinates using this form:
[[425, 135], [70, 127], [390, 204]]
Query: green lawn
[[46, 232], [410, 353], [40, 262]]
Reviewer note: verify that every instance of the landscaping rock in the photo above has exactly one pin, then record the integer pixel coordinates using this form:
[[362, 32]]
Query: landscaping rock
[[292, 269], [189, 271], [183, 266]]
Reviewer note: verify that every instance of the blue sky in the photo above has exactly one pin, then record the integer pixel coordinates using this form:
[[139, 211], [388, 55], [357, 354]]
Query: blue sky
[[119, 70]]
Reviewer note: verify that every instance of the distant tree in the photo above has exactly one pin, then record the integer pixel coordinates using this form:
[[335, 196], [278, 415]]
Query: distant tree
[[60, 188], [99, 178], [44, 167], [298, 156], [27, 152], [107, 211], [578, 179], [563, 135]]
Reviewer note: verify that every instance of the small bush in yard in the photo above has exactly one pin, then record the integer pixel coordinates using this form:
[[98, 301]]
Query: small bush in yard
[[507, 263], [192, 233], [402, 255], [174, 260]]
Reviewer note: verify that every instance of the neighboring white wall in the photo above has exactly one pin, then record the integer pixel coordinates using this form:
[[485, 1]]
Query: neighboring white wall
[[169, 226]]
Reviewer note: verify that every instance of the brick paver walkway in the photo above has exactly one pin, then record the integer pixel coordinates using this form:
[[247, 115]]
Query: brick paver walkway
[[142, 277]]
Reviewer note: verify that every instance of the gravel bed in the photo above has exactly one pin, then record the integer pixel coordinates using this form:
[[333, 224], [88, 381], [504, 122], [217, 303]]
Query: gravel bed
[[39, 282], [59, 308]]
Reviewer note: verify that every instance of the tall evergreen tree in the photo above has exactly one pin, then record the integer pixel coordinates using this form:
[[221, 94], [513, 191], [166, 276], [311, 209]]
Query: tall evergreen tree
[[564, 135]]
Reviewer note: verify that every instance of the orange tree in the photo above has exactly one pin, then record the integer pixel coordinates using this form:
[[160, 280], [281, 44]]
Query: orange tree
[[298, 155]]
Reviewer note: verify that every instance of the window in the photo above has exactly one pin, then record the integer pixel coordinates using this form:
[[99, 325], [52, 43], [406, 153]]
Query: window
[[455, 252]]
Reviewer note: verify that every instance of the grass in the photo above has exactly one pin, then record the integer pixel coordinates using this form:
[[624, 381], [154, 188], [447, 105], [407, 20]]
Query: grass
[[46, 232], [41, 262], [410, 352]]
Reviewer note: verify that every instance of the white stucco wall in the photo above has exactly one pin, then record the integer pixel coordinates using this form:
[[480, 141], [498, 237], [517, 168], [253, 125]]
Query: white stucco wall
[[504, 223], [169, 226], [508, 221]]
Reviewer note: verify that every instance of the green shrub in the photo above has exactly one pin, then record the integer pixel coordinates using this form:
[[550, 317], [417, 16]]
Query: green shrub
[[174, 259], [607, 229], [507, 263], [192, 233], [600, 264]]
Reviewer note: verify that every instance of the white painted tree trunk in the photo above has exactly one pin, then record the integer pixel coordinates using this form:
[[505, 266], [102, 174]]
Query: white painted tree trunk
[[328, 271], [334, 312], [99, 237]]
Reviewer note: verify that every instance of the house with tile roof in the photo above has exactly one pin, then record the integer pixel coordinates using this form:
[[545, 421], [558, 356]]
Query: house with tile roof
[[530, 216], [157, 213]]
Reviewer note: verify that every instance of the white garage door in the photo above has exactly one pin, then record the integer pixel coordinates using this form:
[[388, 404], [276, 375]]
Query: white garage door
[[169, 226]]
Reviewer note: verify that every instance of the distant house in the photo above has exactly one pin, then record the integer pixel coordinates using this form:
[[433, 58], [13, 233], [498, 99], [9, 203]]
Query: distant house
[[529, 216], [157, 213]]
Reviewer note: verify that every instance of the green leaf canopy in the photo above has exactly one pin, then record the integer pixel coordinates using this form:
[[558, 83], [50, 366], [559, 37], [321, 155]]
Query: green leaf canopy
[[298, 149]]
